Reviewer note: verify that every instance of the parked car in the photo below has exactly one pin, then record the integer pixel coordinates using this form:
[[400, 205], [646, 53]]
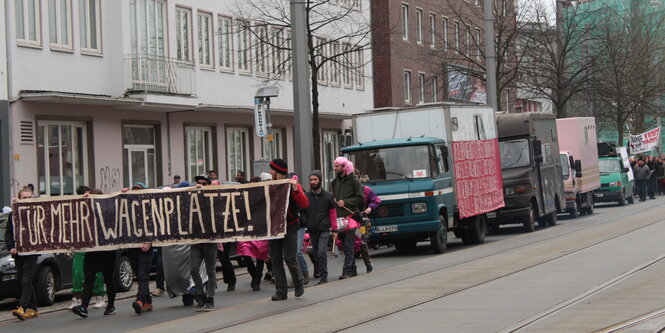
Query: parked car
[[53, 273]]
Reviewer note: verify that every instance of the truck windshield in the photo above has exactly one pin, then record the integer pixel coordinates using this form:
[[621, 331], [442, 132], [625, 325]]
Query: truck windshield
[[565, 167], [514, 153], [609, 166], [393, 163]]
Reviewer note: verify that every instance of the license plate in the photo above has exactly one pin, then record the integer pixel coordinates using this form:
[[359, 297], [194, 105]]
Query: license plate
[[599, 195], [491, 215], [386, 228]]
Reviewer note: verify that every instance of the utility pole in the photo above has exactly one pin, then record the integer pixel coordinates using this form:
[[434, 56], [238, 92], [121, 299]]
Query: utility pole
[[304, 148], [490, 58]]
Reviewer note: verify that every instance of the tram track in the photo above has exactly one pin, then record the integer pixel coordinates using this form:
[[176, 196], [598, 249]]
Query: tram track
[[438, 296]]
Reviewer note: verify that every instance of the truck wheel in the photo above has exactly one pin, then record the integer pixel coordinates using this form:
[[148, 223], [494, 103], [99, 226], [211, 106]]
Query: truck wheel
[[439, 239], [530, 223], [551, 219], [45, 288], [476, 230], [622, 199]]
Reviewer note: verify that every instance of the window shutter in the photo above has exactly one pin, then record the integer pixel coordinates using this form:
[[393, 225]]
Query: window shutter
[[27, 132]]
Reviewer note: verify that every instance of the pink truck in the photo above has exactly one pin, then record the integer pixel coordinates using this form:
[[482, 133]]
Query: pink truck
[[579, 163]]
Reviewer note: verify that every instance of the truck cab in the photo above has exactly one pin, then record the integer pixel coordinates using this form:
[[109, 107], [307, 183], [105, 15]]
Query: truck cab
[[413, 178]]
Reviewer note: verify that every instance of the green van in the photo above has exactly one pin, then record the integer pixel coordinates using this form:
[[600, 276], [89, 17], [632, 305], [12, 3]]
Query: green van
[[615, 185]]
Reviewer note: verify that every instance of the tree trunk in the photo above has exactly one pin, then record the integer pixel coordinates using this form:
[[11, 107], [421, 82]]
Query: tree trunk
[[313, 67]]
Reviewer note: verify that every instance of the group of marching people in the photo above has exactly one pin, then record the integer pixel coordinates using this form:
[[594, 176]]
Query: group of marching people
[[188, 271]]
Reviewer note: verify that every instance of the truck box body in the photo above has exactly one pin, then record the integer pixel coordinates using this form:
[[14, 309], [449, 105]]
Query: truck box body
[[577, 139], [533, 188], [403, 155]]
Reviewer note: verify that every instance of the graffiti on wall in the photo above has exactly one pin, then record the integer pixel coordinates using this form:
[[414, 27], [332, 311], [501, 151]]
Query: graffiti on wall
[[109, 179]]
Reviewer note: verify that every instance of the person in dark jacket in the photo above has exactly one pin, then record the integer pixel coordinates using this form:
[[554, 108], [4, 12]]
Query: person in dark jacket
[[348, 194], [653, 185], [283, 251], [660, 175], [642, 175], [25, 267], [320, 215]]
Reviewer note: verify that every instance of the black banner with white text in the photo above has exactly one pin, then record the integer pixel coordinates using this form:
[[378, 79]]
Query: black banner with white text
[[124, 220]]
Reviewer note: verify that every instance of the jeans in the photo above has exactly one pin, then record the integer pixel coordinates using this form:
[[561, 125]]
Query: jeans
[[348, 239], [159, 279], [144, 260], [25, 267], [204, 253], [228, 273], [299, 256], [320, 249], [89, 281], [283, 251], [642, 188]]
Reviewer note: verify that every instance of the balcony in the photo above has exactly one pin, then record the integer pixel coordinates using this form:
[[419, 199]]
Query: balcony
[[157, 74]]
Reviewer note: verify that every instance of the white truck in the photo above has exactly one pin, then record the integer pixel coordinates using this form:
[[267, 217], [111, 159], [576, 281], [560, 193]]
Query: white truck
[[436, 169], [579, 163]]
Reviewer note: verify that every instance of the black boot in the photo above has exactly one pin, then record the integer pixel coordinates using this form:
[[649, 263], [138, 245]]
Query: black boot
[[200, 301], [209, 305]]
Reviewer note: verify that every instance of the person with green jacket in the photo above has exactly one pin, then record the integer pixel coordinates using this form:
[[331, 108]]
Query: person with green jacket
[[348, 193]]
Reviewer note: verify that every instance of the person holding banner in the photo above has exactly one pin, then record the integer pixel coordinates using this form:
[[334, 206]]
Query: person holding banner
[[283, 251], [348, 193], [25, 268]]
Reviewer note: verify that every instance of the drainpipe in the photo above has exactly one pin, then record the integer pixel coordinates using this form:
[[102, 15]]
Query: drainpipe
[[5, 128]]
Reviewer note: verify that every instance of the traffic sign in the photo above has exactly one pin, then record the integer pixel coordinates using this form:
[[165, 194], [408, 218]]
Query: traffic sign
[[260, 116]]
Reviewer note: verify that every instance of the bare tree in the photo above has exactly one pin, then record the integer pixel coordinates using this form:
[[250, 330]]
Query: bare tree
[[461, 43], [628, 85], [555, 63], [338, 33]]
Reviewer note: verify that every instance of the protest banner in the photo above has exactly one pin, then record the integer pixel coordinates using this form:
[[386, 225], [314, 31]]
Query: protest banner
[[644, 142], [208, 214], [479, 186]]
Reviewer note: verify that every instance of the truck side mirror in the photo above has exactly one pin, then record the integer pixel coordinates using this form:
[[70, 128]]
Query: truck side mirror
[[578, 168], [537, 151]]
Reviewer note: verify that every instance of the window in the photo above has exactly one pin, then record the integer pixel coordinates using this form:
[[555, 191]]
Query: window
[[432, 30], [346, 66], [468, 40], [261, 50], [28, 22], [421, 88], [334, 68], [237, 150], [148, 27], [419, 26], [445, 34], [204, 21], [273, 144], [243, 48], [331, 150], [199, 150], [277, 53], [89, 25], [60, 24], [407, 86], [435, 89], [360, 69], [457, 50], [183, 28], [477, 43], [224, 26], [62, 157], [405, 21], [140, 161], [321, 46]]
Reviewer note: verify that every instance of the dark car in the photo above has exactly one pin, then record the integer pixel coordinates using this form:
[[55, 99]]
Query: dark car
[[53, 272]]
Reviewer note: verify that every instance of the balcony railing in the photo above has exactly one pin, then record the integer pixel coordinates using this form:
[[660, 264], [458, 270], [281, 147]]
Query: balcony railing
[[159, 74]]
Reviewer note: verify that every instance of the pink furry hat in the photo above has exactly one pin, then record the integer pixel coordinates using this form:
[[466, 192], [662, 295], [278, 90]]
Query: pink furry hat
[[348, 165]]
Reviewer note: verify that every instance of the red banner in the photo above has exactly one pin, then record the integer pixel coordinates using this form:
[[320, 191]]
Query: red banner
[[479, 186]]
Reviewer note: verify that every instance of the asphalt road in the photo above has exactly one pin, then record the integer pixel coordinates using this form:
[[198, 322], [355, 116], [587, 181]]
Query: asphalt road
[[243, 309]]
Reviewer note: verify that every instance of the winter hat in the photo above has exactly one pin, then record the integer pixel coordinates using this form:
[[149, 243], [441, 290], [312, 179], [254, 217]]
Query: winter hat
[[139, 186], [279, 165], [184, 184], [317, 173], [348, 165], [265, 176]]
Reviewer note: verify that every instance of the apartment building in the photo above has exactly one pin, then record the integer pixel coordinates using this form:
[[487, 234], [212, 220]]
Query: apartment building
[[108, 93]]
